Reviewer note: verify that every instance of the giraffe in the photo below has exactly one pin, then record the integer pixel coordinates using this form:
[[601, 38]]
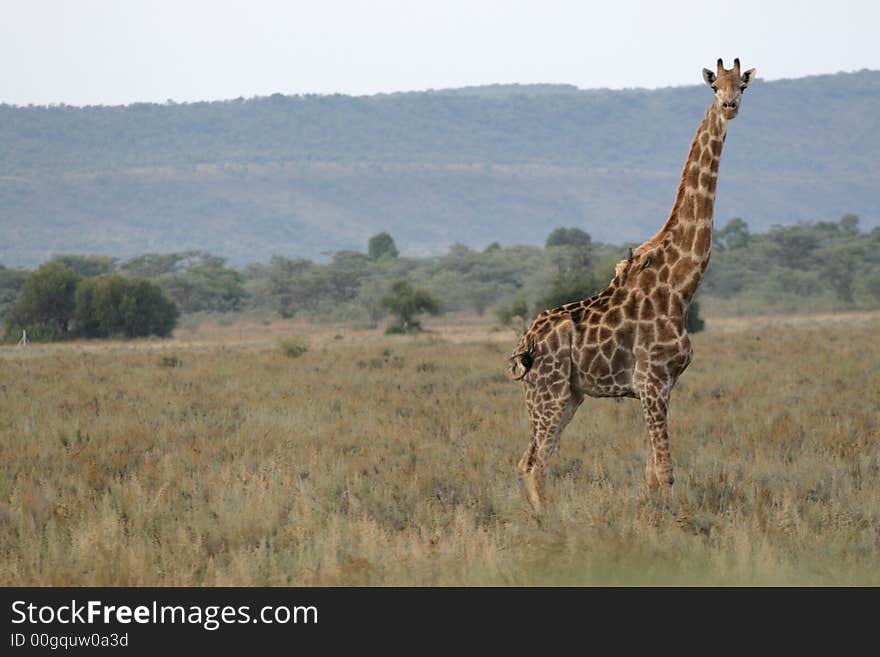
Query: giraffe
[[630, 340]]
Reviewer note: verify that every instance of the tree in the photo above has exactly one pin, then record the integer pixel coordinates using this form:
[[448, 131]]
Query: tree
[[146, 310], [406, 302], [207, 286], [46, 304], [604, 270], [381, 247], [839, 270], [515, 315], [11, 282], [724, 279], [153, 265], [793, 246], [572, 249], [114, 306], [849, 225], [370, 297], [457, 250], [734, 235], [569, 285], [90, 313], [344, 275], [87, 265], [479, 296], [793, 281], [872, 285], [292, 285], [568, 237]]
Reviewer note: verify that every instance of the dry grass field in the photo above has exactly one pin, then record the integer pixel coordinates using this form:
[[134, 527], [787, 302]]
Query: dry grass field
[[392, 461]]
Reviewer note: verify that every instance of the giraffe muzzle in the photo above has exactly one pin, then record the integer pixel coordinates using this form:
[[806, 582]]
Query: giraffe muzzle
[[730, 109]]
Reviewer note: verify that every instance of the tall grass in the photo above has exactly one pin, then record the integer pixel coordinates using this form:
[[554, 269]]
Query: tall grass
[[394, 463]]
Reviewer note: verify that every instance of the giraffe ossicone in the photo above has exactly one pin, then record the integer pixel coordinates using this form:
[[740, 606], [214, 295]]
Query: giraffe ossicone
[[630, 340]]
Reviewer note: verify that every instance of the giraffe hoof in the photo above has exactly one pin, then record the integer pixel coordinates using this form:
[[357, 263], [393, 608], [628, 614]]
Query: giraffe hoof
[[535, 502], [533, 494], [659, 481]]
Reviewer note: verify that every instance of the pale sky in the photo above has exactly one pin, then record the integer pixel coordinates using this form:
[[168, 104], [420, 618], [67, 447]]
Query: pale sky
[[120, 51]]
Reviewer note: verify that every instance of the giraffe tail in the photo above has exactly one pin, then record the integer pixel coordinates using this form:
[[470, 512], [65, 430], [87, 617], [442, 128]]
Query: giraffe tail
[[520, 364]]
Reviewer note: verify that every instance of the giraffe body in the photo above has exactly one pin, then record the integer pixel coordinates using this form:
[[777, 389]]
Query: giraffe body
[[630, 340]]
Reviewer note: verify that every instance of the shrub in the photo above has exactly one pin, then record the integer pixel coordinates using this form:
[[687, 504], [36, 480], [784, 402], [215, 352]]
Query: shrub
[[113, 306], [294, 346], [570, 285], [515, 316], [395, 329], [405, 302], [45, 305]]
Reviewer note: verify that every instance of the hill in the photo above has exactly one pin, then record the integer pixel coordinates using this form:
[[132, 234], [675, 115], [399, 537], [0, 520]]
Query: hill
[[304, 175]]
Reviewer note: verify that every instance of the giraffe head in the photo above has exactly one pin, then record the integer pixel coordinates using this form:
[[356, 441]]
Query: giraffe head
[[728, 86]]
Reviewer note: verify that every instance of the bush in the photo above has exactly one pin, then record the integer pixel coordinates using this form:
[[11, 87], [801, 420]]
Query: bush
[[114, 306], [294, 346], [57, 303], [406, 302], [146, 310], [170, 361], [395, 329], [570, 285], [45, 306], [515, 316]]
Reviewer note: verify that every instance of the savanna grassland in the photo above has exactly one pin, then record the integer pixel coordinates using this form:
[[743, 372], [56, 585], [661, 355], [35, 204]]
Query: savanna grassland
[[393, 461]]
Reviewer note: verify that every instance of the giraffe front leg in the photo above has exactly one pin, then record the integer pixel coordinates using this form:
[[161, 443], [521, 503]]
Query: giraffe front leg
[[658, 471]]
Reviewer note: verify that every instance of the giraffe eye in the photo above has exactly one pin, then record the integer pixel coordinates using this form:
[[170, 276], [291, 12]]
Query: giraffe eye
[[742, 88], [714, 88]]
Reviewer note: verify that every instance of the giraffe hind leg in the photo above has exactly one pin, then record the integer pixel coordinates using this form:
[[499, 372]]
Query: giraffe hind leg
[[548, 420]]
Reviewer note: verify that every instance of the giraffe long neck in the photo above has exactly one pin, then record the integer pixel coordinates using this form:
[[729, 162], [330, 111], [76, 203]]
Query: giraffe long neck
[[687, 234]]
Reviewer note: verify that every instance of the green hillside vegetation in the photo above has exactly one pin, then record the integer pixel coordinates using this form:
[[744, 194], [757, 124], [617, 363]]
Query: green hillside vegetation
[[300, 176], [817, 267]]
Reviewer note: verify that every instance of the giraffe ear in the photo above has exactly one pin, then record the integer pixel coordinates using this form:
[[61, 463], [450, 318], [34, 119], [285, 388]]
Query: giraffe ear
[[708, 77], [749, 76]]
